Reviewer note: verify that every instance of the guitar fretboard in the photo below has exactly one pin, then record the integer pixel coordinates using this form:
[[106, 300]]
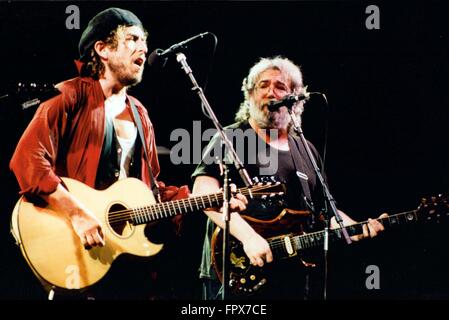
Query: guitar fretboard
[[169, 209], [284, 248]]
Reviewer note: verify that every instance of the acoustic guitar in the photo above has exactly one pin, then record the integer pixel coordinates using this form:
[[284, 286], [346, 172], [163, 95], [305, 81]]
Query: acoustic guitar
[[54, 251]]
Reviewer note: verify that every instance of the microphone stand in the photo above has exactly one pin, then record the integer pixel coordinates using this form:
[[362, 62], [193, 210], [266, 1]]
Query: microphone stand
[[181, 58], [227, 219], [329, 200]]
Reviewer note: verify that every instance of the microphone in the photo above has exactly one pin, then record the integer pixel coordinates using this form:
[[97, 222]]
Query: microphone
[[161, 53], [288, 101]]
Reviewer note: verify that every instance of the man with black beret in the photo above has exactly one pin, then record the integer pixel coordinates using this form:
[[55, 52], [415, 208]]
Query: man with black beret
[[89, 131]]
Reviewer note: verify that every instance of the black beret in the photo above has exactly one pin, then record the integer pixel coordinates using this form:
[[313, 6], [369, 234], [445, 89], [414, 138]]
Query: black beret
[[102, 24]]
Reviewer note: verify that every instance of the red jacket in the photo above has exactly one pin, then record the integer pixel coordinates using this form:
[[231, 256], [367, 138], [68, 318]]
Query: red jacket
[[72, 121]]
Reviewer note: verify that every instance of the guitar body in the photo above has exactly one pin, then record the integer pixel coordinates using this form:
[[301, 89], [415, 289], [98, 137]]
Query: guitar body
[[54, 251], [246, 279]]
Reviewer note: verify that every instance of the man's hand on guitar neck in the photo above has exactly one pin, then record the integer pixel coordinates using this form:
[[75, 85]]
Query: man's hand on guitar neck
[[238, 201], [370, 229], [84, 222]]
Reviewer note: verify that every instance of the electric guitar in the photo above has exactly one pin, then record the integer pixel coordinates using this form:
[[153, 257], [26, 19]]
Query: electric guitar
[[54, 251], [286, 239]]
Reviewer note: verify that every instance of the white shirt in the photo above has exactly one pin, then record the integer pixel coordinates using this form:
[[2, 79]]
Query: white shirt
[[115, 105]]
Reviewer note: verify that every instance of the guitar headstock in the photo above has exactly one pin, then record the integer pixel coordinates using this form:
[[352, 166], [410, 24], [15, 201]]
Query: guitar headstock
[[267, 187], [434, 209]]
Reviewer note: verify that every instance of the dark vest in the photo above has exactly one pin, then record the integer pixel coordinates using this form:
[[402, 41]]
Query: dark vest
[[108, 170]]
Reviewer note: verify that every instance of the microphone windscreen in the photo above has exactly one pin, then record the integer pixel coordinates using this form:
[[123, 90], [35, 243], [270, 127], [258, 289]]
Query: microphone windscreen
[[155, 59]]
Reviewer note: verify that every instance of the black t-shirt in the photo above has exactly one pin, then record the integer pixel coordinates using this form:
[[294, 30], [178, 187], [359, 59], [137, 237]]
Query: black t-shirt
[[262, 162]]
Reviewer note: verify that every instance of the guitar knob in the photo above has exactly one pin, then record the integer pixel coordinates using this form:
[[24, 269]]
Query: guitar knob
[[252, 277], [242, 280], [261, 283]]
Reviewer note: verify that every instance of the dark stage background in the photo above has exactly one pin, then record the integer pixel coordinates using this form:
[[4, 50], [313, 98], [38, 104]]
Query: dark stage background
[[388, 137]]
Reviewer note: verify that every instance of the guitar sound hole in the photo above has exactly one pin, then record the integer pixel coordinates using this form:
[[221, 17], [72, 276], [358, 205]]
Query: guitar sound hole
[[118, 218]]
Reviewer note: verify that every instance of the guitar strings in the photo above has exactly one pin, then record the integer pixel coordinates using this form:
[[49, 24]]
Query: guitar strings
[[177, 205], [276, 243], [117, 216], [146, 213]]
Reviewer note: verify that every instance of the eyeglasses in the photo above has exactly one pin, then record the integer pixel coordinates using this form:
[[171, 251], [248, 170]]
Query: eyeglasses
[[279, 88]]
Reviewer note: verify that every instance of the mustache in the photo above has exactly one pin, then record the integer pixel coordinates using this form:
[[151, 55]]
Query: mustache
[[264, 107]]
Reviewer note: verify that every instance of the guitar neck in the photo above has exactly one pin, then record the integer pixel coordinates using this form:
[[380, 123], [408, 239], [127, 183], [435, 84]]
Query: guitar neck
[[172, 208], [390, 221], [283, 247]]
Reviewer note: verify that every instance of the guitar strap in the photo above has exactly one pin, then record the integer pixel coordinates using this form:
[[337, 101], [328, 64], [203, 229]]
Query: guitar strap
[[299, 156], [154, 185]]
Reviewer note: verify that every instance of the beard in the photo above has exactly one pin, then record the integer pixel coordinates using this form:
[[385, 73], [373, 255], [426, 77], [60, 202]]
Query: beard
[[123, 73], [265, 119]]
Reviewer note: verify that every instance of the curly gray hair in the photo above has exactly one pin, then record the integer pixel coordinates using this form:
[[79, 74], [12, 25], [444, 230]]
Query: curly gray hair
[[277, 63]]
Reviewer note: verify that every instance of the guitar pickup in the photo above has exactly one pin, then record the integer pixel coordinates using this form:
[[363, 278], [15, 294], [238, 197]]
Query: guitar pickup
[[284, 242], [289, 246]]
